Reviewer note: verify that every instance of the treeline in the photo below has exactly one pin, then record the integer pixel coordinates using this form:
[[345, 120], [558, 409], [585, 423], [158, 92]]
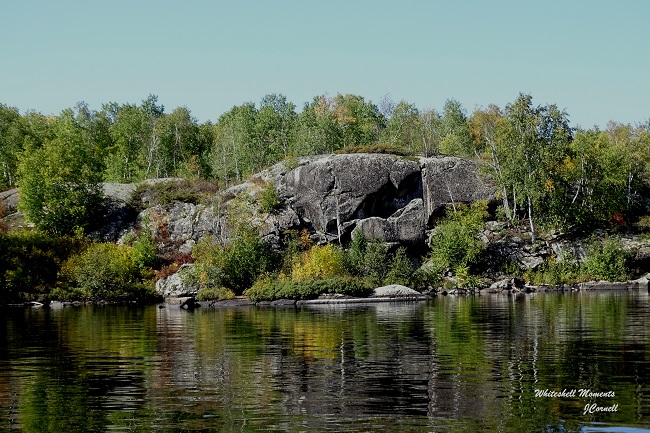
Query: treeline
[[545, 169], [129, 143]]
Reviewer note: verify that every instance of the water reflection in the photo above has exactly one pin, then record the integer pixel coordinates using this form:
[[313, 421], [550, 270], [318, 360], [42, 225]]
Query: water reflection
[[454, 364]]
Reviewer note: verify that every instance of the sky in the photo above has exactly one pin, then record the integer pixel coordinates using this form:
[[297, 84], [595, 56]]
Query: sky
[[590, 57]]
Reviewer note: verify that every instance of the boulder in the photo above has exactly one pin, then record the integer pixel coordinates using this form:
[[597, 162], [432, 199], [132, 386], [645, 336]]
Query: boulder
[[450, 179], [394, 291], [389, 197], [9, 201], [173, 285], [407, 225]]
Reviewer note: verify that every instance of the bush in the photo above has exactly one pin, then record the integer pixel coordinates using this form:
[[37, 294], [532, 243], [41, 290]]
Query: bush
[[607, 260], [107, 272], [30, 263], [319, 262], [268, 289], [555, 272], [371, 259], [234, 266], [214, 293], [163, 193], [377, 148], [456, 243], [400, 270], [269, 200], [144, 251]]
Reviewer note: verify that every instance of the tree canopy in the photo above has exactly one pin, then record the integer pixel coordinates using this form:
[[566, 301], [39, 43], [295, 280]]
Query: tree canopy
[[545, 169]]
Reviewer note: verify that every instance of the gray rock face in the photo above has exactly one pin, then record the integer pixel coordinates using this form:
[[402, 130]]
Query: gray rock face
[[407, 225], [449, 179], [9, 200], [173, 285], [118, 215], [385, 196]]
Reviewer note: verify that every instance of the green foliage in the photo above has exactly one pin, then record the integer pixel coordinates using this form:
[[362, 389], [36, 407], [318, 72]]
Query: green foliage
[[555, 272], [234, 266], [269, 289], [607, 260], [12, 133], [376, 148], [372, 260], [214, 294], [427, 275], [269, 200], [455, 243], [59, 182], [164, 193], [144, 251], [319, 262], [30, 263], [400, 270], [107, 272]]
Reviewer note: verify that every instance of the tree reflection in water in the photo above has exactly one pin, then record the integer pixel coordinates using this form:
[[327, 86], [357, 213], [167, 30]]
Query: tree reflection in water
[[453, 364]]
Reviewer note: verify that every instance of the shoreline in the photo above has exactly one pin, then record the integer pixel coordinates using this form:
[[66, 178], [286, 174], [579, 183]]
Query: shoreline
[[506, 287]]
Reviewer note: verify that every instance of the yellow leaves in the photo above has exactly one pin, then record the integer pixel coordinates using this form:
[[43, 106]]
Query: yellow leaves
[[318, 262], [568, 164], [549, 185]]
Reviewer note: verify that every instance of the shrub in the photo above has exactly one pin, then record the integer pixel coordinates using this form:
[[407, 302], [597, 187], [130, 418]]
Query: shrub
[[607, 260], [319, 262], [268, 289], [269, 200], [144, 251], [377, 148], [163, 193], [234, 266], [30, 262], [107, 272], [371, 259], [426, 275], [555, 272], [456, 242], [214, 293], [400, 270]]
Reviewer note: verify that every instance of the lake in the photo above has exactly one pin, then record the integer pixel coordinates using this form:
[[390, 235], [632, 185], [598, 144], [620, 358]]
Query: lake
[[547, 362]]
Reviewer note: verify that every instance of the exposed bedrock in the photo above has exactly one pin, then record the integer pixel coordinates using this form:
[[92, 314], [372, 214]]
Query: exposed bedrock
[[384, 196]]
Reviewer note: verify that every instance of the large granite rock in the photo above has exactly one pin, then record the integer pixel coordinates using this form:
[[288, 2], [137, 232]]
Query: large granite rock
[[385, 196]]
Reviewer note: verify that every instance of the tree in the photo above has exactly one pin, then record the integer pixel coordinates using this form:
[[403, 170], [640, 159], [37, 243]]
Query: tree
[[360, 122], [11, 144], [235, 152], [456, 138], [430, 129], [276, 120], [484, 127], [60, 188], [402, 127], [179, 141], [154, 113], [532, 142], [128, 132], [317, 129]]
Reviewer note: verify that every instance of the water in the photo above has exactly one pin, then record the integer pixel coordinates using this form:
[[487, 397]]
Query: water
[[453, 364]]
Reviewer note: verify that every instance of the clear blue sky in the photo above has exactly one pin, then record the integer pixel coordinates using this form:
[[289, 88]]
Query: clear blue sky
[[590, 57]]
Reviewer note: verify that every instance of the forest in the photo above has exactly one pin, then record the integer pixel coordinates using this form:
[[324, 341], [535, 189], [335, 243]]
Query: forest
[[548, 173]]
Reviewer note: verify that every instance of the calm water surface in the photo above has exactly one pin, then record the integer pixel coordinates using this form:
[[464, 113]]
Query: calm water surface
[[453, 364]]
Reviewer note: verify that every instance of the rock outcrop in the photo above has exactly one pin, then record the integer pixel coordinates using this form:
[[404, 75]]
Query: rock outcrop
[[173, 286], [387, 197], [392, 198]]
